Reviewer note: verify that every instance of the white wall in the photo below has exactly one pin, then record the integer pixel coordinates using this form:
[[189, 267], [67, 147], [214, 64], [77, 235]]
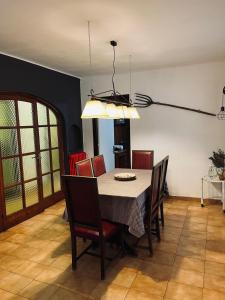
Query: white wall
[[106, 142], [188, 137]]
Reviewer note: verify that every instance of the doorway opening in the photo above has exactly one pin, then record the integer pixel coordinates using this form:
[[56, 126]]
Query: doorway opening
[[112, 139]]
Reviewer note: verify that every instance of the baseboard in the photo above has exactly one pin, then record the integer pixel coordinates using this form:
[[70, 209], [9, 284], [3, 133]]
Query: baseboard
[[184, 198], [206, 200]]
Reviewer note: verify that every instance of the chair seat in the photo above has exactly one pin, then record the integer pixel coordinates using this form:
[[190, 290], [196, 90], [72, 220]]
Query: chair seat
[[108, 228]]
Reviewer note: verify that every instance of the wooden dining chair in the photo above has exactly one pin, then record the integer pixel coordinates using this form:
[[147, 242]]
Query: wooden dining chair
[[142, 159], [152, 207], [84, 215], [98, 165], [84, 168], [162, 187]]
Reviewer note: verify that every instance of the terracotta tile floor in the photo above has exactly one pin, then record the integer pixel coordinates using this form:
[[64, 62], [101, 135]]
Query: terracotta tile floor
[[188, 263]]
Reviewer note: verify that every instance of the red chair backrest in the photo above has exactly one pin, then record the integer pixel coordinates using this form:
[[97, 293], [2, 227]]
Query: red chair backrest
[[84, 168], [82, 203], [154, 191], [98, 165], [163, 174], [142, 159], [73, 159]]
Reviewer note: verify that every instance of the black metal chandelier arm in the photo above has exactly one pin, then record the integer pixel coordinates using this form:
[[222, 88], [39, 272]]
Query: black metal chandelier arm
[[142, 101], [186, 108]]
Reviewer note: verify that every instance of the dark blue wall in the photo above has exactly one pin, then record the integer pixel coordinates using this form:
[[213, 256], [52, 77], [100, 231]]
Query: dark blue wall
[[62, 91]]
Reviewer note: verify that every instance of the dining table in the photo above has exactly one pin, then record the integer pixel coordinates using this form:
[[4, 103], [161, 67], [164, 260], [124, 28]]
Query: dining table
[[124, 201]]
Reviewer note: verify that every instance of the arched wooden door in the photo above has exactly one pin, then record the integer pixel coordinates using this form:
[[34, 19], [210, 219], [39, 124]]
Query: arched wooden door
[[31, 157]]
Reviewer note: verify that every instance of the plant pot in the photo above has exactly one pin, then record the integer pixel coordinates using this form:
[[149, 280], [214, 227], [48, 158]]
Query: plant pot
[[221, 176], [221, 173]]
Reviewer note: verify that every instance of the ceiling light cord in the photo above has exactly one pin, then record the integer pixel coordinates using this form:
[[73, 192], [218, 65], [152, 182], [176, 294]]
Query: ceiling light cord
[[114, 70], [90, 58], [130, 78]]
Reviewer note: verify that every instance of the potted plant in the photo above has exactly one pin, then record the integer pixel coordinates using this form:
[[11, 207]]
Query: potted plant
[[218, 160]]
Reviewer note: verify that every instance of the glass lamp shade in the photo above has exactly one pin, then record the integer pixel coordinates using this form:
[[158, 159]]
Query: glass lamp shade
[[120, 111], [126, 114], [133, 113], [94, 109], [112, 111]]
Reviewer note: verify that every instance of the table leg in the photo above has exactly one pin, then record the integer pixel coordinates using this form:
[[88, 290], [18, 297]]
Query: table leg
[[202, 196]]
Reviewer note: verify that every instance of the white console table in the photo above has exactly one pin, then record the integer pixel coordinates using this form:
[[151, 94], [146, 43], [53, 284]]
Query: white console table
[[221, 198]]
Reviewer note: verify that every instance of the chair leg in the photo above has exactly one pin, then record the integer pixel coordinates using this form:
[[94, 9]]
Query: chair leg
[[162, 214], [149, 233], [102, 247], [158, 229], [122, 243], [74, 253]]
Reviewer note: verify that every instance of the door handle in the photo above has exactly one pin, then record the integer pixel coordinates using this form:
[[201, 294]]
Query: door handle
[[37, 157]]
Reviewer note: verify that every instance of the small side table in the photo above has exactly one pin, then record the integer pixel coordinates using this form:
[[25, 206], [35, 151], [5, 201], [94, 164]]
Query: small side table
[[214, 181]]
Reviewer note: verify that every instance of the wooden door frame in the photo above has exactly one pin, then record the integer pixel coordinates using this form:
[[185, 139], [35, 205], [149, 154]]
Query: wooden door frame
[[24, 214], [95, 137]]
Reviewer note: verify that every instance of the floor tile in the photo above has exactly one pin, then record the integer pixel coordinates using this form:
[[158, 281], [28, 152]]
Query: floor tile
[[178, 291], [123, 277], [150, 285], [29, 269], [38, 291], [159, 257], [214, 268], [62, 262], [14, 283], [218, 246], [166, 247], [187, 277], [213, 295], [4, 295], [109, 291], [62, 294], [188, 263], [156, 271], [194, 234], [53, 275], [198, 227], [171, 238], [214, 282], [191, 251], [80, 284], [134, 294], [215, 256], [188, 240], [10, 263]]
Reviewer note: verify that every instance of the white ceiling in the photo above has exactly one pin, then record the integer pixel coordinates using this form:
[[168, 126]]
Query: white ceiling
[[157, 33]]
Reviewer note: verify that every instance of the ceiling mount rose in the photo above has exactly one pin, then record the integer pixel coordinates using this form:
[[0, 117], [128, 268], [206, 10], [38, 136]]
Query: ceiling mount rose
[[113, 43]]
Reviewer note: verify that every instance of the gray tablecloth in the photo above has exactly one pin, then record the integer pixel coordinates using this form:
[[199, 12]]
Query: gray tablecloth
[[124, 202]]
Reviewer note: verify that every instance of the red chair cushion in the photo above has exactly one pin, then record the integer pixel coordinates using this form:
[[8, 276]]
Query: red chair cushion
[[108, 228]]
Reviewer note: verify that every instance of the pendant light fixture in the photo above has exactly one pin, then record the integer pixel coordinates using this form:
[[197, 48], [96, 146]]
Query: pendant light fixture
[[102, 107], [221, 114]]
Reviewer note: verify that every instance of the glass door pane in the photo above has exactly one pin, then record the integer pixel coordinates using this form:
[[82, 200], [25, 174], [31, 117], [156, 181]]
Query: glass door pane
[[13, 199]]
